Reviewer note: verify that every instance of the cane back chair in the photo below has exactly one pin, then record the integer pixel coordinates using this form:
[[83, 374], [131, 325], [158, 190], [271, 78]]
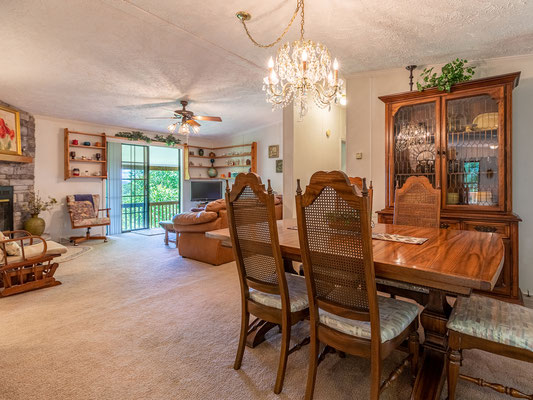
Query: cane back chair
[[495, 326], [266, 290], [345, 311], [417, 203]]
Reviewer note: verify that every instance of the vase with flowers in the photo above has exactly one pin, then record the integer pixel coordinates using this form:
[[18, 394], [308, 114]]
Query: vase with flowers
[[36, 205]]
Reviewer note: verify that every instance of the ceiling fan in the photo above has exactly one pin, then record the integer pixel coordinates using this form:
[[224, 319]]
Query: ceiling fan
[[186, 120]]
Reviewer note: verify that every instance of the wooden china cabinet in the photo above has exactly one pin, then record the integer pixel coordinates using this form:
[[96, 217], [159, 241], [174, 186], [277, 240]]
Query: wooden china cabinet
[[461, 141]]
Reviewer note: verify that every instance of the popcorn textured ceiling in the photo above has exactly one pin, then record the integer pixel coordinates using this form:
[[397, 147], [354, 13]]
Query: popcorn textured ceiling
[[119, 61]]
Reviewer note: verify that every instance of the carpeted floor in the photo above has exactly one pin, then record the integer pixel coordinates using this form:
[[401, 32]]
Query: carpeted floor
[[133, 320]]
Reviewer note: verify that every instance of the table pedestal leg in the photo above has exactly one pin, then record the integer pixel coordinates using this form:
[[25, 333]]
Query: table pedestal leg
[[430, 378], [257, 332]]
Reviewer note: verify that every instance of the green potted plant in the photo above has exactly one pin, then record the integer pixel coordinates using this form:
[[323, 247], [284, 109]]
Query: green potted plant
[[454, 72], [35, 206]]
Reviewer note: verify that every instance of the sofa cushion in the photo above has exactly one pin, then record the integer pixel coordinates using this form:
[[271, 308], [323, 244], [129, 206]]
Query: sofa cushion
[[216, 205], [208, 226], [194, 218]]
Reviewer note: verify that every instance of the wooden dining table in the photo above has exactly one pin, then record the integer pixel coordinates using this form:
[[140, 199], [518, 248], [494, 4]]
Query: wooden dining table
[[449, 263]]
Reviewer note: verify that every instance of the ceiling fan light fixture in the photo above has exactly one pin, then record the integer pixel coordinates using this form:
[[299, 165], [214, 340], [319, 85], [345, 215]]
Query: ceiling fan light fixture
[[196, 129], [172, 127], [184, 129]]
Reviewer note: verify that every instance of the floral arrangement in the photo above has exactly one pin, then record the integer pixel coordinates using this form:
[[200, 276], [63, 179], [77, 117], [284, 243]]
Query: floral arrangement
[[454, 72], [36, 204]]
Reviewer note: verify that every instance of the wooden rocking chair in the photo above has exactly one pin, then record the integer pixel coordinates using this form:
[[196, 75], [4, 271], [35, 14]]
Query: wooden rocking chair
[[32, 268]]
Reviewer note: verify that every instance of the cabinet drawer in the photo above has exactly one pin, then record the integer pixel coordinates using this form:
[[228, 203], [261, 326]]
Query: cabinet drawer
[[450, 224], [491, 227]]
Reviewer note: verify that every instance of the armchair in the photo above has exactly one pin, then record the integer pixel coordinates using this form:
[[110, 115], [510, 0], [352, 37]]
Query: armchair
[[83, 210], [28, 266]]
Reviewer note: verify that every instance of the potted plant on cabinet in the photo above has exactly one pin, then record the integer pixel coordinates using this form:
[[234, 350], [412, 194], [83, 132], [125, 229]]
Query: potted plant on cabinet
[[35, 225]]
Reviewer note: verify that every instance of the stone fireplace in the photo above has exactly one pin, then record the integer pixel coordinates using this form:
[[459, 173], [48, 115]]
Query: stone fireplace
[[20, 176], [6, 208]]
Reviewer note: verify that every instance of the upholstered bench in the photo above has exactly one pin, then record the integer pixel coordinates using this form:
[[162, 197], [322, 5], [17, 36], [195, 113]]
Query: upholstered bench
[[168, 226], [480, 322]]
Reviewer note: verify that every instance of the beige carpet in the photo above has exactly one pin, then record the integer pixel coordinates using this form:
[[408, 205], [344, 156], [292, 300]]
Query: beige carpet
[[133, 320]]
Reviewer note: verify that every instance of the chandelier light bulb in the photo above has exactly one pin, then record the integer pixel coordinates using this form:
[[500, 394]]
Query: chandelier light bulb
[[304, 55], [270, 63], [343, 101], [335, 65]]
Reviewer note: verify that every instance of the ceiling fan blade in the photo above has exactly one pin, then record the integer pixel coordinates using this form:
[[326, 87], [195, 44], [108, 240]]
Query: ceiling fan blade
[[202, 118], [161, 118], [193, 122]]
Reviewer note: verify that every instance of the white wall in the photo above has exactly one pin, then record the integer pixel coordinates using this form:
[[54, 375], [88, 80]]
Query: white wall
[[49, 181], [308, 149], [366, 134]]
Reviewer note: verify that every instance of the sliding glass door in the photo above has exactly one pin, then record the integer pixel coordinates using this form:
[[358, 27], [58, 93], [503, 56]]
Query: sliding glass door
[[151, 186], [164, 184], [134, 187]]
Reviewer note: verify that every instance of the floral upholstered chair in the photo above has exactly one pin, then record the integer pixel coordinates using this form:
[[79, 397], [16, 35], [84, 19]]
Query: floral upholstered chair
[[491, 325], [84, 213]]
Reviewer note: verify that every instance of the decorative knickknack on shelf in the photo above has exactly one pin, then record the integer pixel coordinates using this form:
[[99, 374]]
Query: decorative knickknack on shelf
[[36, 225], [212, 172]]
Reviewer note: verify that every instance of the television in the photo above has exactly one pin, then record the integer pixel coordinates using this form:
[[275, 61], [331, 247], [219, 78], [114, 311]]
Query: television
[[206, 191]]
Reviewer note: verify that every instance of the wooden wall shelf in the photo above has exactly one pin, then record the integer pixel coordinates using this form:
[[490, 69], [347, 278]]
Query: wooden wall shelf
[[15, 158], [101, 149], [249, 150]]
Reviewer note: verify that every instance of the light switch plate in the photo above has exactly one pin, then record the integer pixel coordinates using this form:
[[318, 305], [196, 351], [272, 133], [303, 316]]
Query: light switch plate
[[358, 156]]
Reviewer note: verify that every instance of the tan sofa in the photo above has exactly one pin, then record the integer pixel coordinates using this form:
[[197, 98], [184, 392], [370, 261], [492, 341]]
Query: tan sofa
[[191, 228]]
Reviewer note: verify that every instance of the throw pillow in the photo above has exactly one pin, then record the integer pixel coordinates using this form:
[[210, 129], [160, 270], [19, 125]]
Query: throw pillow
[[12, 248]]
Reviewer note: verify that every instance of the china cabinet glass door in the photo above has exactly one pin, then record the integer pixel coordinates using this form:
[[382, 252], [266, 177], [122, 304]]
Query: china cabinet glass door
[[414, 144], [474, 152]]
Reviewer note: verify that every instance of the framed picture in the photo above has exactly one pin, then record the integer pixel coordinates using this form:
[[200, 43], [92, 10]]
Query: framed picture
[[279, 165], [273, 151], [9, 131]]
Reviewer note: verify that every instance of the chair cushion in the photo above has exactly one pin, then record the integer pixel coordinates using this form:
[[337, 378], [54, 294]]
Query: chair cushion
[[394, 316], [82, 210], [167, 225], [297, 294], [92, 222], [194, 218], [494, 320], [35, 250]]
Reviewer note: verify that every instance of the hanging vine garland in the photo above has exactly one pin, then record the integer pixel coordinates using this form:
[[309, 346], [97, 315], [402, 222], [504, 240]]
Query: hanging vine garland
[[169, 140]]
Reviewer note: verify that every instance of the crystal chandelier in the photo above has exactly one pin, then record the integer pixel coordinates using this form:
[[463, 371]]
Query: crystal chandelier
[[301, 70]]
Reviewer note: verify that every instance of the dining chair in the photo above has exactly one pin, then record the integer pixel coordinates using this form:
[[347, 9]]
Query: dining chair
[[494, 326], [358, 181], [345, 310], [266, 290], [417, 203]]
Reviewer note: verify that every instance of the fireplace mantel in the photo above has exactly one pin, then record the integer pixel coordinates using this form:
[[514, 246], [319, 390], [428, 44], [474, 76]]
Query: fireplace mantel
[[15, 158]]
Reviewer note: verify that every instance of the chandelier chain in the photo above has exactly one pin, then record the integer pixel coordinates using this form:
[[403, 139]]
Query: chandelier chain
[[299, 6]]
